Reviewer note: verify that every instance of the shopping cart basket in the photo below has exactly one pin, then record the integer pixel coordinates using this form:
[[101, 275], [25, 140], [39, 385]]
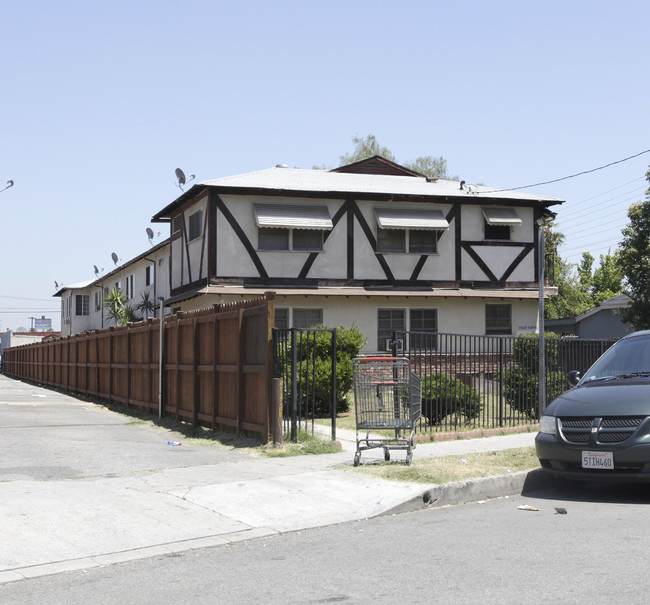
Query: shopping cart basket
[[387, 397]]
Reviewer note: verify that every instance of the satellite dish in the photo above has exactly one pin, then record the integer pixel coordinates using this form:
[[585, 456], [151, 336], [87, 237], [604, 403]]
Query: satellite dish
[[56, 285], [180, 177], [150, 234], [96, 269], [114, 257], [10, 183]]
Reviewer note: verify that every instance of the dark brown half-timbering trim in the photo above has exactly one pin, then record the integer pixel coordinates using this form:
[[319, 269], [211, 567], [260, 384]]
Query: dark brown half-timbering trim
[[186, 249], [350, 241], [204, 235], [212, 239], [479, 261], [418, 267], [469, 248], [242, 237], [372, 240], [314, 255], [515, 263]]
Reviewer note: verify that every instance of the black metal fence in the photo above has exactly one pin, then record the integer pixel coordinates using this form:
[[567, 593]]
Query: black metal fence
[[478, 382], [305, 360]]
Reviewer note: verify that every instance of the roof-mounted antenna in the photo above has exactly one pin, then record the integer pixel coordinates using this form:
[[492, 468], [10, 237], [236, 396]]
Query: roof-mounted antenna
[[181, 180], [10, 183]]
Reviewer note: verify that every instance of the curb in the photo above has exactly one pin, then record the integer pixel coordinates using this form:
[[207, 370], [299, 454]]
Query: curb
[[473, 490]]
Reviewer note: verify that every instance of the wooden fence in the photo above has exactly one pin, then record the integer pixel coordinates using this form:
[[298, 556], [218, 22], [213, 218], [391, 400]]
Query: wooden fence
[[217, 365]]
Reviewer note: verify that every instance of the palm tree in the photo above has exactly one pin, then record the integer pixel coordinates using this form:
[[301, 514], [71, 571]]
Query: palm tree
[[115, 304], [146, 305]]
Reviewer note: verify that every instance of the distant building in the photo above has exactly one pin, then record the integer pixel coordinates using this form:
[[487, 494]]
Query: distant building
[[82, 303], [15, 339], [602, 321]]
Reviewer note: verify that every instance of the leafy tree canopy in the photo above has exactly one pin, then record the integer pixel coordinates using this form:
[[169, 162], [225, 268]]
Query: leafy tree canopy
[[365, 147], [635, 262]]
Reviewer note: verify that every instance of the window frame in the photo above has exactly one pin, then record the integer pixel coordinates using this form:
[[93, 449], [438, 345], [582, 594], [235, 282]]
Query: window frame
[[82, 302], [501, 233], [309, 323], [495, 325], [287, 238], [195, 225], [407, 246], [382, 331]]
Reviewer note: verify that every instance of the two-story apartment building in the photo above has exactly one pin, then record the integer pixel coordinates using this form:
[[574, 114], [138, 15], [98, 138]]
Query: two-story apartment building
[[372, 244], [82, 303]]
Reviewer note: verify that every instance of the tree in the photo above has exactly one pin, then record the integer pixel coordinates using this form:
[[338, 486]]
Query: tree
[[114, 303], [608, 278], [635, 262], [585, 277], [369, 146], [571, 299], [146, 305], [366, 148], [117, 309]]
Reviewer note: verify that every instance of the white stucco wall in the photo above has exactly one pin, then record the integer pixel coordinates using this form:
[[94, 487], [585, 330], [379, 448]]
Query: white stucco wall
[[455, 315]]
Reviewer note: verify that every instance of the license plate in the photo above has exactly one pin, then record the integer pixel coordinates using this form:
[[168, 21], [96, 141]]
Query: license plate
[[598, 460]]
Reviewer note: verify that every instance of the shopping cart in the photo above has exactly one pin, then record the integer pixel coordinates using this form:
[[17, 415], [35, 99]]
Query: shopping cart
[[387, 397]]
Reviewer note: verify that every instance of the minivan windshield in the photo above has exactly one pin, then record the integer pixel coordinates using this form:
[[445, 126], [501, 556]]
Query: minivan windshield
[[628, 357]]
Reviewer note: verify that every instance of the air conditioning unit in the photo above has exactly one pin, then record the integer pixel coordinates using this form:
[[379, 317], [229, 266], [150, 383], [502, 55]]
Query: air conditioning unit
[[388, 345]]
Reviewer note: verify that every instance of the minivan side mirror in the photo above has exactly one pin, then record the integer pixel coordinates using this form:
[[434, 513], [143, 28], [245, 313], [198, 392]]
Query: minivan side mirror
[[573, 377]]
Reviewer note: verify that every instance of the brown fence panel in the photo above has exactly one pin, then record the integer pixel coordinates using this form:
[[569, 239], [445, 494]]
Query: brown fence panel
[[217, 365]]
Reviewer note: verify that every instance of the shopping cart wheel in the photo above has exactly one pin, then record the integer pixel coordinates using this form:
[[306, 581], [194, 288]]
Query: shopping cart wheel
[[386, 454], [409, 458], [357, 457]]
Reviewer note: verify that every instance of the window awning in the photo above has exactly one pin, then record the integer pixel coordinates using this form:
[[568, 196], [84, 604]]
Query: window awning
[[404, 218], [501, 216], [287, 216]]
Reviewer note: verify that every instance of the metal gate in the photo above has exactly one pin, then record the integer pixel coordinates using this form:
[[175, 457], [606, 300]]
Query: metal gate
[[305, 361]]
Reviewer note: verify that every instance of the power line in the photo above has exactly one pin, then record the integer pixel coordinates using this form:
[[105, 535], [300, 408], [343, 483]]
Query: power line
[[572, 176]]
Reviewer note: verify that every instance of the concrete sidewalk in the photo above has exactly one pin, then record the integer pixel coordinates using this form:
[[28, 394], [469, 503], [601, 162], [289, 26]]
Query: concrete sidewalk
[[81, 487]]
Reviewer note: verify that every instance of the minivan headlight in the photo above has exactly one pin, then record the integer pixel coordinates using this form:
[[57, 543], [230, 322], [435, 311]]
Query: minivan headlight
[[548, 425]]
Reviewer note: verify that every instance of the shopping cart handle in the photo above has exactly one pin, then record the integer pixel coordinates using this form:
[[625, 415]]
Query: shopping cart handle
[[365, 359]]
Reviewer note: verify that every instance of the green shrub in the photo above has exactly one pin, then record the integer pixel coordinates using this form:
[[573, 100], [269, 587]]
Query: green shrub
[[443, 395], [521, 381], [521, 389], [314, 374]]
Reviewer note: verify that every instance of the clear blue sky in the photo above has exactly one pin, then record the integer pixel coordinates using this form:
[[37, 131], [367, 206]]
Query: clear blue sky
[[100, 102]]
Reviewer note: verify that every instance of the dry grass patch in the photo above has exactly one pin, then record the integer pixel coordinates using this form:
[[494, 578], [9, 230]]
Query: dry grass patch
[[447, 469]]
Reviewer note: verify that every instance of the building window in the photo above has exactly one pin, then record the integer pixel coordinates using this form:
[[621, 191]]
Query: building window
[[282, 318], [423, 320], [498, 319], [391, 240], [307, 239], [82, 304], [401, 240], [423, 242], [270, 238], [307, 318], [130, 287], [98, 301], [498, 222], [389, 321], [196, 225], [499, 232], [177, 223], [148, 275]]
